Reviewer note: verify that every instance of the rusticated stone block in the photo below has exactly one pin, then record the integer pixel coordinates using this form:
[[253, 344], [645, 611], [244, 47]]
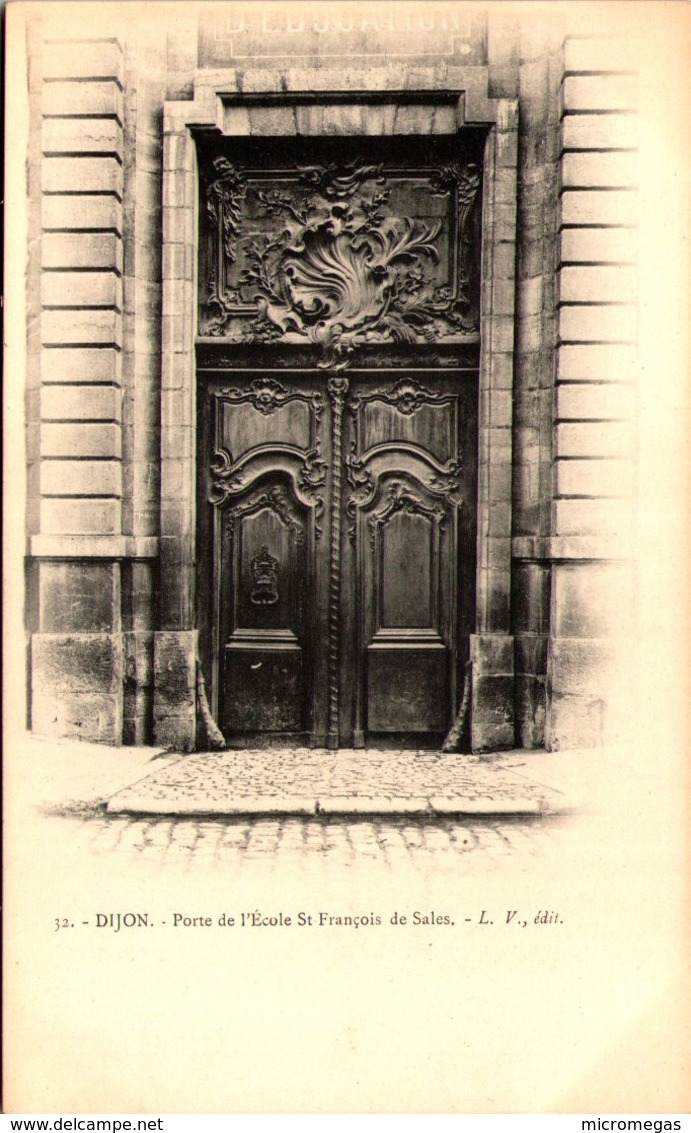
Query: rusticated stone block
[[82, 250], [80, 403], [575, 722], [78, 288], [94, 717], [599, 131], [77, 597], [81, 135], [615, 284], [584, 401], [492, 715], [491, 653], [597, 362], [85, 59], [603, 206], [598, 245], [599, 53], [590, 438], [593, 517], [77, 97], [599, 92], [593, 599], [80, 477], [80, 328], [613, 322], [611, 170], [82, 174], [530, 710], [80, 439], [81, 212], [80, 517], [84, 663], [588, 477], [81, 364]]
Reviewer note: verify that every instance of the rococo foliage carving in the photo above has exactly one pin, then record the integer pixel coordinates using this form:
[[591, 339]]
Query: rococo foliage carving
[[277, 500], [328, 255], [363, 484], [399, 496], [267, 395], [407, 396]]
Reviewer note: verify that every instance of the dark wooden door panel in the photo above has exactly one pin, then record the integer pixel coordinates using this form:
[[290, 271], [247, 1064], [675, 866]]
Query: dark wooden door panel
[[261, 522], [410, 482], [264, 585], [263, 689], [407, 594], [385, 608], [406, 687]]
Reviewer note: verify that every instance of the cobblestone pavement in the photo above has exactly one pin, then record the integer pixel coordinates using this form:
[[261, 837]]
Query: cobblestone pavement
[[312, 781], [386, 842]]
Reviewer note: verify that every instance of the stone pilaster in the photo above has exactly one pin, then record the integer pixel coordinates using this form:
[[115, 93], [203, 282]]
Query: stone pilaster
[[77, 648], [595, 396]]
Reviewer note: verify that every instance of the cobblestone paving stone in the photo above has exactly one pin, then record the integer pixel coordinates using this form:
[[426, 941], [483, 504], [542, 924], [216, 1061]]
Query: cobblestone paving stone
[[222, 842], [221, 781]]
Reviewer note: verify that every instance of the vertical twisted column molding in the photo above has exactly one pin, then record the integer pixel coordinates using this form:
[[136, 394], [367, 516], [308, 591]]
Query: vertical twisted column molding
[[337, 388]]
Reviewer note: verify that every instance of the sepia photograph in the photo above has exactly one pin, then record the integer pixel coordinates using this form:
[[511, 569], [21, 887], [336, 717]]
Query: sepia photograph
[[346, 593]]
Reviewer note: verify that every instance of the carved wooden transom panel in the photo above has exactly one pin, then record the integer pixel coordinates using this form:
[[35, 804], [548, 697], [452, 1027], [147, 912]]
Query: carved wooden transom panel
[[337, 253]]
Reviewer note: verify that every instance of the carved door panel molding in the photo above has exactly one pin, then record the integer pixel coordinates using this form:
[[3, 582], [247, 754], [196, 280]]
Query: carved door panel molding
[[411, 477], [263, 493]]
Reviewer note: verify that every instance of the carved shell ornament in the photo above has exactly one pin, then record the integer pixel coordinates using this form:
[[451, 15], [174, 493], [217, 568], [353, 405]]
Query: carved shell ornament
[[335, 268]]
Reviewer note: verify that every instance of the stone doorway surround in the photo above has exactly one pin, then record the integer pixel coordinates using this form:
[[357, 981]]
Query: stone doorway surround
[[376, 101]]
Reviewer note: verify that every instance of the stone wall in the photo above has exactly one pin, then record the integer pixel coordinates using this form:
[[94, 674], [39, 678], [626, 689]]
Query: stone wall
[[594, 396], [110, 507], [75, 383]]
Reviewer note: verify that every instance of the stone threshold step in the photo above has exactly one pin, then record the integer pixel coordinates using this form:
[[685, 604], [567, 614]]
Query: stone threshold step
[[260, 806]]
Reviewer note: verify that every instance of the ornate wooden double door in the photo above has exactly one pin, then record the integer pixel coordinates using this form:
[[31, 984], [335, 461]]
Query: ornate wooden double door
[[338, 522], [337, 363]]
